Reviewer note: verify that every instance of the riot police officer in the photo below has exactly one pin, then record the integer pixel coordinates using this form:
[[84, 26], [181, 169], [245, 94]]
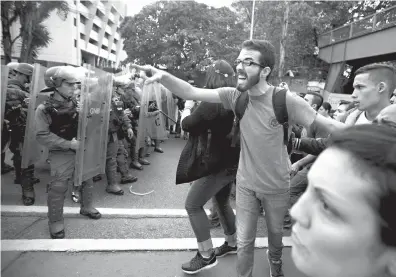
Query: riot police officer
[[5, 131], [119, 127], [16, 113], [131, 101], [56, 128]]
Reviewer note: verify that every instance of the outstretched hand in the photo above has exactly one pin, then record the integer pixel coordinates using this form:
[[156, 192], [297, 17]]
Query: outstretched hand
[[149, 73]]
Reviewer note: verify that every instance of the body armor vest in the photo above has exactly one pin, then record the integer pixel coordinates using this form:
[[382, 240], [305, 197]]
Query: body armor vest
[[64, 119]]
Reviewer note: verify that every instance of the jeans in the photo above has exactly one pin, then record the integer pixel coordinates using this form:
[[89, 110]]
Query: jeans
[[298, 185], [201, 191], [248, 210]]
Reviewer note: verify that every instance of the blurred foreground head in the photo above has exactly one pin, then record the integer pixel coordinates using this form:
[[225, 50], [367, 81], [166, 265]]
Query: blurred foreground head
[[345, 221]]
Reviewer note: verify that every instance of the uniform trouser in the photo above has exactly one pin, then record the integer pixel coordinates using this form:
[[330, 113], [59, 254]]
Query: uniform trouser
[[121, 158], [201, 191], [62, 169], [248, 210], [132, 148], [111, 159], [22, 175]]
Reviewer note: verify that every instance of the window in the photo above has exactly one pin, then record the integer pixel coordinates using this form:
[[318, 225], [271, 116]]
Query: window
[[75, 43], [75, 22], [83, 19], [95, 28], [92, 41]]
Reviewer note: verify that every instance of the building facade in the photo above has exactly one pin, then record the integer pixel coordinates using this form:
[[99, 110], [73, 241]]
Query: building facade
[[90, 33]]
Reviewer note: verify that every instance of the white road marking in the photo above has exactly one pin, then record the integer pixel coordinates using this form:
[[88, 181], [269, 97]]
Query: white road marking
[[103, 245], [41, 211]]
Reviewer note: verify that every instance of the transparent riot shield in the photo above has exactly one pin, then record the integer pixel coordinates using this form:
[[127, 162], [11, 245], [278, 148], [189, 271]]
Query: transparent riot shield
[[4, 82], [93, 124], [151, 124], [32, 151], [172, 108]]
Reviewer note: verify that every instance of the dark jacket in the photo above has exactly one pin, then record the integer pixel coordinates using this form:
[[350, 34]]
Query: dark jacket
[[310, 145], [209, 144]]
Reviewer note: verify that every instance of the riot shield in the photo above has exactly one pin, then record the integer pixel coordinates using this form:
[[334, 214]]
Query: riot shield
[[171, 108], [93, 124], [4, 82], [150, 124], [32, 151]]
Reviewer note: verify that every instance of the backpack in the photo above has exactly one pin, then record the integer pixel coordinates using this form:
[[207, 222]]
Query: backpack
[[280, 109]]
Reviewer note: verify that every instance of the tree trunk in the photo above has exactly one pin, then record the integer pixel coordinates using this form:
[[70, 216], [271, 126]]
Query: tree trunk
[[6, 33], [27, 22], [283, 40]]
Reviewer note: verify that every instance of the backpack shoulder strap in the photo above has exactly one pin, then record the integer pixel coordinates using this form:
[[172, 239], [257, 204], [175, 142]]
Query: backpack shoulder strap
[[240, 107], [280, 109], [241, 104]]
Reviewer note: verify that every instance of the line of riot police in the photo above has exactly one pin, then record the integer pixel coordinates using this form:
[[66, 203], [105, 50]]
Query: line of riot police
[[84, 125]]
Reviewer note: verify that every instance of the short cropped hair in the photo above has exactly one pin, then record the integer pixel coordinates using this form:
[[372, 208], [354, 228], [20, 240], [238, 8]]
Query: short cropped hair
[[318, 99], [327, 106], [380, 72], [266, 49]]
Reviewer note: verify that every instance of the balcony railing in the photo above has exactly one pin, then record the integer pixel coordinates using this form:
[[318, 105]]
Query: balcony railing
[[369, 24]]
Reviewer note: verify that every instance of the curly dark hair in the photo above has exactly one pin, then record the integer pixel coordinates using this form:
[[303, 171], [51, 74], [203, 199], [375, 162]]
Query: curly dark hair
[[374, 147]]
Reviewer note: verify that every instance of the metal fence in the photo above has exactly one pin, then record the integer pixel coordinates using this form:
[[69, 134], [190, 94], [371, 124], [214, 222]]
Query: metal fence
[[371, 23]]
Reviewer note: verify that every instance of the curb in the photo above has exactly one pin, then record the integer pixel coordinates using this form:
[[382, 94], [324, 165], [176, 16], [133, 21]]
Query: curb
[[112, 245], [41, 211]]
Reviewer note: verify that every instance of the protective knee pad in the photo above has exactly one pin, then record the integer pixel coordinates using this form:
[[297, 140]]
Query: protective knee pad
[[58, 187]]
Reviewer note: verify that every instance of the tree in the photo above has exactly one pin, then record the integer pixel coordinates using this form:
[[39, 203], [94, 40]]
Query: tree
[[306, 21], [182, 35], [8, 17], [33, 33], [285, 24]]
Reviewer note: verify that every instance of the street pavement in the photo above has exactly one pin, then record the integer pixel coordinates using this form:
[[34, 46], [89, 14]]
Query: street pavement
[[116, 244]]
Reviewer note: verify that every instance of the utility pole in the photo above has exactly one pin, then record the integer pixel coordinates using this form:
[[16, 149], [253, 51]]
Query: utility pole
[[252, 23]]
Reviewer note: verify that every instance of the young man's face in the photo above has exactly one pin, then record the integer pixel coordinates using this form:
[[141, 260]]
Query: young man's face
[[340, 112], [248, 76], [366, 92]]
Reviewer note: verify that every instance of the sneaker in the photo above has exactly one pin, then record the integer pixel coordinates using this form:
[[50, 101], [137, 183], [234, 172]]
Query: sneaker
[[214, 223], [275, 267], [224, 250], [199, 263]]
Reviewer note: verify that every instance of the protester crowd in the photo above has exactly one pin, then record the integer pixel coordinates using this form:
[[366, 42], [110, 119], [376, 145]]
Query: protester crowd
[[329, 173]]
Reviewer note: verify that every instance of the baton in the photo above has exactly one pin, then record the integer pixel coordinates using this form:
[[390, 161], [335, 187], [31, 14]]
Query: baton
[[167, 116]]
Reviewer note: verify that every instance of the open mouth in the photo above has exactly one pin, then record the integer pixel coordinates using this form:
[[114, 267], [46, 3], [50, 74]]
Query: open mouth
[[242, 77]]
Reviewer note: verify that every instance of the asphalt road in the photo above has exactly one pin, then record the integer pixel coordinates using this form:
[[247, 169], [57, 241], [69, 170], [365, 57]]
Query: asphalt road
[[159, 176], [128, 264]]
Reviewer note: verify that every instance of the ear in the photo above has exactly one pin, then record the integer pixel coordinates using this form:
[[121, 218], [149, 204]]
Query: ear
[[382, 87], [265, 72]]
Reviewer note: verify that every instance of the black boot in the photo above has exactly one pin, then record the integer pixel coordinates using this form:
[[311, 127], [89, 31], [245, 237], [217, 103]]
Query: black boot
[[28, 195], [86, 201]]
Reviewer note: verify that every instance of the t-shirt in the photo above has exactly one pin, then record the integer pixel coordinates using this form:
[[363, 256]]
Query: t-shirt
[[264, 164], [362, 119]]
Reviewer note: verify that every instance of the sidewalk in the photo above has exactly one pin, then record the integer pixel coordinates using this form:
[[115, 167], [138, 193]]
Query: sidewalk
[[128, 264]]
